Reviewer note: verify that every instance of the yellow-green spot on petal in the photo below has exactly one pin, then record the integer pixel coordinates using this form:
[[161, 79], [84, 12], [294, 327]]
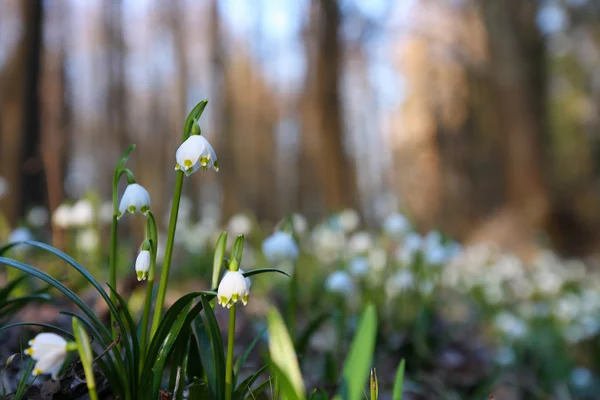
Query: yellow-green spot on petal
[[235, 297], [223, 300], [245, 299], [37, 371], [177, 167], [188, 164], [131, 209], [29, 351], [204, 161], [216, 166], [145, 210]]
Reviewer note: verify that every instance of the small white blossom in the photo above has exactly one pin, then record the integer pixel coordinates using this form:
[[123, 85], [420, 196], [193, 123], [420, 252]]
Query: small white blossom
[[396, 225], [194, 153], [340, 282], [61, 216], [280, 247], [239, 224], [49, 351], [358, 266], [142, 265], [105, 213], [360, 243], [37, 217], [581, 377], [20, 235], [82, 213], [349, 220], [135, 199], [400, 281], [88, 240], [300, 224], [233, 287]]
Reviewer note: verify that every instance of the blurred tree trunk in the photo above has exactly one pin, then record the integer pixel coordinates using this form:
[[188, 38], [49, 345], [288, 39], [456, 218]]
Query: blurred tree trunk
[[222, 111], [20, 161], [55, 112], [517, 92], [336, 170]]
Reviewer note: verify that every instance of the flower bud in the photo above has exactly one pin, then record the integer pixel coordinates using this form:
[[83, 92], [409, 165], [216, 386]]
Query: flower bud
[[142, 265]]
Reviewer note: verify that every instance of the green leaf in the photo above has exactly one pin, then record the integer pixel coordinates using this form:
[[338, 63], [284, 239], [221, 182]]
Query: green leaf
[[119, 167], [194, 115], [195, 370], [218, 259], [246, 385], [358, 362], [85, 353], [311, 328], [49, 327], [178, 360], [248, 274], [242, 360], [399, 382], [283, 357], [213, 333], [238, 249], [254, 394]]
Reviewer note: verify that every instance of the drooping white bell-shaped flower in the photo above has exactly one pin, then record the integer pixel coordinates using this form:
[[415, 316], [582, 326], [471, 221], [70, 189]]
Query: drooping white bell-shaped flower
[[280, 247], [142, 265], [340, 282], [82, 213], [62, 216], [135, 199], [49, 350], [396, 225], [194, 153], [233, 288]]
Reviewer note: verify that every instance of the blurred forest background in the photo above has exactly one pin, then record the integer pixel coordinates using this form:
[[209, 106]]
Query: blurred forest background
[[477, 117]]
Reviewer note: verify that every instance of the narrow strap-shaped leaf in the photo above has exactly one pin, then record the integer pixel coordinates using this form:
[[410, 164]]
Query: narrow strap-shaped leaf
[[194, 115], [216, 341], [358, 362], [195, 369], [49, 327], [254, 394], [242, 360], [246, 385], [399, 382]]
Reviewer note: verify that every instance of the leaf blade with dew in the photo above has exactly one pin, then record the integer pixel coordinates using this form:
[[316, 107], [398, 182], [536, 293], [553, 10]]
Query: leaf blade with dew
[[358, 362], [399, 382], [283, 357]]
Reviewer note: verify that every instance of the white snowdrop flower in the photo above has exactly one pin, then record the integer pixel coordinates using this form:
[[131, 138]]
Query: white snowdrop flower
[[349, 220], [20, 235], [328, 244], [105, 213], [3, 187], [82, 213], [88, 240], [61, 216], [135, 199], [400, 281], [340, 282], [358, 266], [248, 280], [38, 216], [377, 258], [233, 288], [49, 351], [142, 265], [434, 251], [194, 153], [581, 377], [239, 224], [360, 243], [396, 225], [300, 224], [411, 244], [567, 307], [511, 325], [280, 247]]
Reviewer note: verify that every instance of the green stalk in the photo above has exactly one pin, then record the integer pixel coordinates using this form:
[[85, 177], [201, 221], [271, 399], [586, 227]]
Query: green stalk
[[112, 280], [292, 304], [164, 276], [152, 234], [229, 362], [85, 354]]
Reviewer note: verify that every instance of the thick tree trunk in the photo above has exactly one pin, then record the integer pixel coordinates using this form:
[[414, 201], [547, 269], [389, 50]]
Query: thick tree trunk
[[20, 161]]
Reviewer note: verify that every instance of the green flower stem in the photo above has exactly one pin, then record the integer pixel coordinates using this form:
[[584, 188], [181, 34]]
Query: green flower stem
[[152, 235], [229, 362], [292, 304], [112, 280], [164, 276]]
